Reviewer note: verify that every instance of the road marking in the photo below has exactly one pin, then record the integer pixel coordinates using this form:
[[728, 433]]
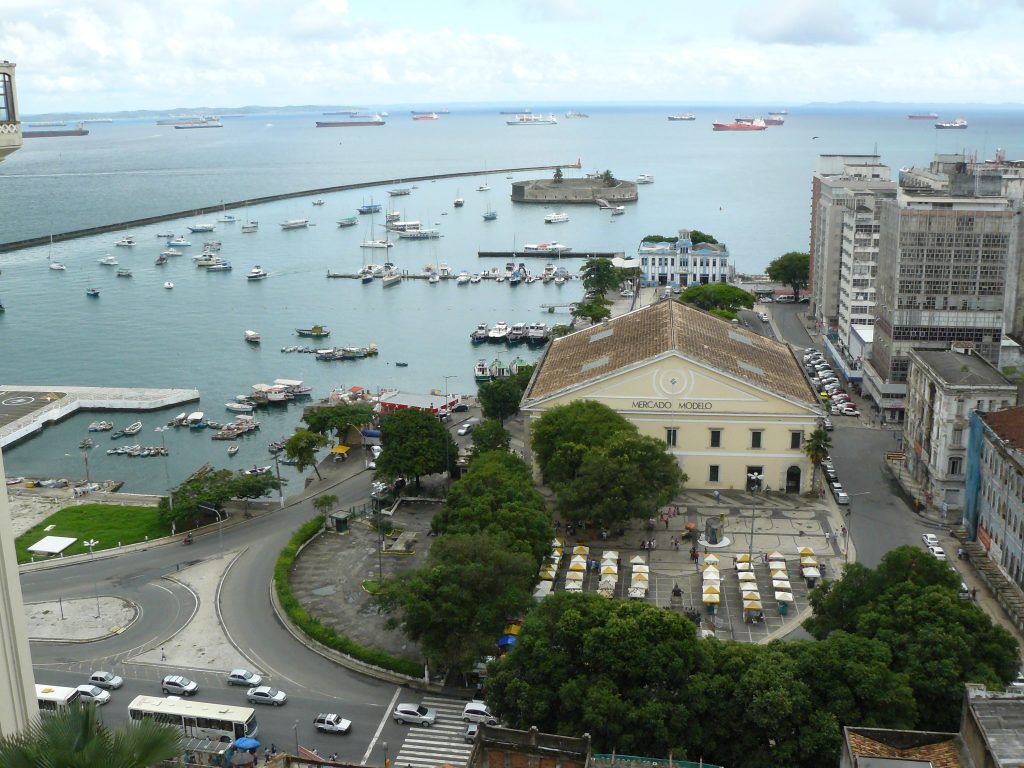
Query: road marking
[[380, 726]]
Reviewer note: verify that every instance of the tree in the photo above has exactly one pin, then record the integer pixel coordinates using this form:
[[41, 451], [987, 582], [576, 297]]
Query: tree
[[254, 486], [500, 398], [558, 176], [415, 443], [302, 446], [696, 237], [817, 447], [206, 489], [792, 269], [617, 670], [74, 738], [600, 276], [490, 435], [721, 298], [609, 179], [338, 418], [323, 503], [523, 375], [585, 422], [595, 311], [456, 606]]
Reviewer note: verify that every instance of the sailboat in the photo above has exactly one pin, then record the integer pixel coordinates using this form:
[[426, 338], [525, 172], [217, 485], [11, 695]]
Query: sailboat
[[370, 242], [54, 265], [484, 187], [459, 200], [490, 215], [249, 225]]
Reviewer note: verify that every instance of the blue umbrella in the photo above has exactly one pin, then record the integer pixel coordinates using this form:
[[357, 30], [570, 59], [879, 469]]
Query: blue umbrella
[[246, 743]]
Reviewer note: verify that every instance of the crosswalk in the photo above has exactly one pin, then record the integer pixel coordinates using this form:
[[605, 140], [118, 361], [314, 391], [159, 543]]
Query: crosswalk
[[443, 743]]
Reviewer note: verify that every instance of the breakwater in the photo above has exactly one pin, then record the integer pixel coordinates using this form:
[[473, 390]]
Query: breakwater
[[120, 226]]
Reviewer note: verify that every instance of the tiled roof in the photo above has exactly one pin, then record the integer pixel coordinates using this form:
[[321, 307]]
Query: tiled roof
[[930, 748], [665, 327], [1008, 424]]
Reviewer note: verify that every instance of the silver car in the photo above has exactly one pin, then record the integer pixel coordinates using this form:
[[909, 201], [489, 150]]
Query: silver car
[[179, 686], [93, 693], [244, 677], [106, 680], [414, 713], [264, 694]]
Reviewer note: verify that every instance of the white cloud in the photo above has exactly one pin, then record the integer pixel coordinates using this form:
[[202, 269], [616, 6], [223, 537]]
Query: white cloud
[[801, 22]]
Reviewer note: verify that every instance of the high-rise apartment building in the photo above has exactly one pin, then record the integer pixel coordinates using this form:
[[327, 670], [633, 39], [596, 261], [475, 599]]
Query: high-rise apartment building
[[950, 243]]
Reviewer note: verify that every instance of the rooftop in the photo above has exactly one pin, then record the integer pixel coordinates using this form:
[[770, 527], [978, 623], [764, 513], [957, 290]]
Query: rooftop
[[662, 328], [1000, 718], [877, 746], [1007, 424], [961, 370]]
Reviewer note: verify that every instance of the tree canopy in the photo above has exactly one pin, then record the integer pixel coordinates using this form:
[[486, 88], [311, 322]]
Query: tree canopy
[[583, 421], [792, 269], [721, 298], [600, 276], [696, 237], [499, 399], [593, 310], [415, 443], [338, 418], [817, 446], [302, 446], [490, 435], [212, 490]]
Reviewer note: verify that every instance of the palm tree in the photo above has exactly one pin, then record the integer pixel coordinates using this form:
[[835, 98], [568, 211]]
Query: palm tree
[[74, 738], [817, 446]]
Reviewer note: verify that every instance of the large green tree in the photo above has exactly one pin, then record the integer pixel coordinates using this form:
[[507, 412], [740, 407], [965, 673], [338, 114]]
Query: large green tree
[[338, 418], [584, 422], [500, 398], [792, 269], [616, 670], [416, 443], [910, 603], [206, 489], [490, 435], [721, 299], [302, 446], [75, 738], [817, 446], [457, 604], [593, 310], [255, 486], [600, 276]]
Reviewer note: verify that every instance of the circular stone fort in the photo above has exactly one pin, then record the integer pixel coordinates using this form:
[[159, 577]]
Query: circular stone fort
[[573, 191]]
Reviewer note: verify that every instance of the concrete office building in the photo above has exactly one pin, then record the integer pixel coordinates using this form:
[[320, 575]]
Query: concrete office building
[[948, 261], [942, 390], [727, 402], [17, 695], [681, 264]]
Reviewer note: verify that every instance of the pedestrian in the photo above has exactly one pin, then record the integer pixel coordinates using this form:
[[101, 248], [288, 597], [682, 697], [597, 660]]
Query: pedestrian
[[974, 593], [163, 656], [653, 544], [273, 749], [266, 755], [334, 757], [718, 497], [664, 519]]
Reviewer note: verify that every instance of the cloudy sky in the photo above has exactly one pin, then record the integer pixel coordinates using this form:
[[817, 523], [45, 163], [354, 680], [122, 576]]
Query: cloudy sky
[[105, 55]]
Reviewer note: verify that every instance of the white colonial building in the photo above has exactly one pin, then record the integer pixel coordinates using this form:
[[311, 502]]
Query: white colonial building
[[680, 263]]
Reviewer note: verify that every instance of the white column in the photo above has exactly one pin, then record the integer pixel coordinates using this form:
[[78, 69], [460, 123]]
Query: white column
[[18, 695]]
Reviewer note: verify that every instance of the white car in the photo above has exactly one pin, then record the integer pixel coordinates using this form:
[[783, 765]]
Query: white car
[[930, 539], [244, 677], [465, 429], [626, 294], [937, 552], [264, 694], [764, 317], [331, 723], [106, 680], [850, 411], [94, 694], [478, 712], [414, 713]]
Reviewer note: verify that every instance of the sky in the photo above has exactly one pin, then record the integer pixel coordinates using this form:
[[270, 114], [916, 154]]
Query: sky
[[110, 55]]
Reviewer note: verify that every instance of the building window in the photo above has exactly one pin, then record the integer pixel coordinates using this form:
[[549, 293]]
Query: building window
[[795, 439], [955, 465], [671, 434], [6, 99], [716, 438], [713, 473], [755, 438], [958, 438]]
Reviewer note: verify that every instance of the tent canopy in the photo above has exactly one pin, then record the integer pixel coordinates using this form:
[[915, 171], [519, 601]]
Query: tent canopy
[[340, 449]]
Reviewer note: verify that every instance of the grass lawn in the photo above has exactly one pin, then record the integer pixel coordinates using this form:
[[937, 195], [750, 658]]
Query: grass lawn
[[107, 523]]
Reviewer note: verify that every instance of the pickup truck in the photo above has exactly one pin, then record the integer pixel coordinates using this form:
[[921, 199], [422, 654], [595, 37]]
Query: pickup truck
[[331, 723]]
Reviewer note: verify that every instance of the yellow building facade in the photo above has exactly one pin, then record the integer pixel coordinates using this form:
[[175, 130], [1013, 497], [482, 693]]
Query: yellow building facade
[[726, 401]]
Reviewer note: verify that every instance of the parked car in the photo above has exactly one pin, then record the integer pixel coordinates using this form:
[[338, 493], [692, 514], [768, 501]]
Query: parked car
[[94, 694], [626, 294], [107, 680], [850, 411], [244, 677], [840, 493], [414, 713], [477, 712], [460, 408], [826, 424], [930, 539], [471, 730], [331, 723], [179, 686], [830, 473], [764, 317], [264, 694], [937, 552], [1018, 682]]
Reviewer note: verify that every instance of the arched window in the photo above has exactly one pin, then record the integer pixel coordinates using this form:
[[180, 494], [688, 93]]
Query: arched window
[[6, 99]]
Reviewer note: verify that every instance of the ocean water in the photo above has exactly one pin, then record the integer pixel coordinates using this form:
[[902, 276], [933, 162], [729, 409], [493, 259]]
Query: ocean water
[[751, 190]]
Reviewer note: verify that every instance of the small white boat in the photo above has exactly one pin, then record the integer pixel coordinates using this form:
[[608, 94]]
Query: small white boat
[[376, 244], [483, 188], [253, 337], [227, 218], [459, 202], [57, 266], [133, 429], [257, 273], [126, 242], [107, 261], [200, 227], [239, 407], [556, 218], [463, 278], [179, 242], [474, 279], [618, 210], [250, 226], [171, 252], [295, 224], [168, 285], [318, 201], [645, 178], [232, 450]]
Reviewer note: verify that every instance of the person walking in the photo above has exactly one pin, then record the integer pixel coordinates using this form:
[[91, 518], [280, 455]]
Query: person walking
[[718, 497]]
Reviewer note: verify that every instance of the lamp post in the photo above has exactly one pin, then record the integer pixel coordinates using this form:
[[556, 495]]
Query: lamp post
[[447, 438], [849, 533], [167, 474], [295, 731], [90, 543], [220, 525], [387, 763], [754, 486], [280, 488], [85, 458]]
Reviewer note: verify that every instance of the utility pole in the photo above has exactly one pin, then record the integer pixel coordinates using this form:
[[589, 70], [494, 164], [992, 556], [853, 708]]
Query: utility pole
[[447, 438], [90, 543], [754, 486]]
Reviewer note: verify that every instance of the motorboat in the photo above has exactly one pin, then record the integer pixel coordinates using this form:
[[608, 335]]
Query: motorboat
[[297, 387], [171, 234], [551, 247], [618, 210], [124, 272], [220, 266], [556, 218], [686, 117], [295, 224], [401, 192], [319, 201], [178, 242], [239, 407], [481, 371], [253, 337], [232, 450], [250, 226], [107, 261], [101, 426], [483, 188], [170, 252], [958, 124], [227, 218], [559, 280], [92, 292], [133, 428], [517, 333], [168, 285], [463, 278], [499, 333], [316, 332], [126, 242], [257, 471], [200, 227], [645, 178], [195, 420], [348, 222], [434, 278], [212, 245], [444, 270], [207, 260], [474, 279], [376, 244], [257, 273], [160, 260], [459, 202], [422, 234], [57, 266]]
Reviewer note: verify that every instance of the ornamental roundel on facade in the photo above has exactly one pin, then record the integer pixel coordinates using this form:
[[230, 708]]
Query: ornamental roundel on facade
[[674, 383]]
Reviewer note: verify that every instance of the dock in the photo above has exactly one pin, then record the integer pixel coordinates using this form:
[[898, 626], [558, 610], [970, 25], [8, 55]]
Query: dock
[[25, 410], [510, 255]]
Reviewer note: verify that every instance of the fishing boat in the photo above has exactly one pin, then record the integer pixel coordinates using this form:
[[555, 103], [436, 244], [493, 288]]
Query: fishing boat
[[232, 450], [239, 407], [124, 272], [126, 242], [399, 192], [370, 207], [316, 332], [319, 201], [257, 273], [200, 227], [348, 222], [556, 218], [253, 337], [481, 371], [107, 261], [93, 292], [168, 285]]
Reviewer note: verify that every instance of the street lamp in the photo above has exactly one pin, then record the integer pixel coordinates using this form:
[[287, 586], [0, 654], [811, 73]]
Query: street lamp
[[85, 458], [167, 474], [295, 730], [447, 413], [848, 533], [280, 491], [754, 481], [90, 543], [387, 763], [220, 526]]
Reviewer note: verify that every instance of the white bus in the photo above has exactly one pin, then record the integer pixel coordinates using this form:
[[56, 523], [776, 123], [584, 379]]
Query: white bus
[[55, 698], [197, 719]]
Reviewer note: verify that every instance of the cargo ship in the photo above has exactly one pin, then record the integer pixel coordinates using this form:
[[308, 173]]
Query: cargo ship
[[176, 121], [424, 116], [922, 116], [356, 122], [746, 124], [204, 123], [775, 120], [685, 118], [81, 130]]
